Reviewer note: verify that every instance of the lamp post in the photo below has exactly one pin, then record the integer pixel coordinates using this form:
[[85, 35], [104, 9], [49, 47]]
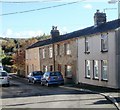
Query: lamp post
[[113, 2]]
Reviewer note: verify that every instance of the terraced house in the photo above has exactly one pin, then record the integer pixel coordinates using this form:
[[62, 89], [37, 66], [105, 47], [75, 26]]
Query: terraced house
[[89, 55], [56, 54]]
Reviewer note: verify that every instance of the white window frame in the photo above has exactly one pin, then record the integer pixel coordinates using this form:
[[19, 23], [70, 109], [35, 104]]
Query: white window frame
[[87, 46], [43, 53], [104, 70], [87, 68], [50, 52], [27, 55], [68, 71], [104, 42], [67, 49], [45, 68], [95, 69]]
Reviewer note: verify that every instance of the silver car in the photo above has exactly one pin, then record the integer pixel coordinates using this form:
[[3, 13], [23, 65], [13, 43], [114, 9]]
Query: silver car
[[4, 78]]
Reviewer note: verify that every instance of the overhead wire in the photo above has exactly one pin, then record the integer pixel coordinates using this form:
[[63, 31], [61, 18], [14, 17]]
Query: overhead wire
[[44, 8], [27, 1]]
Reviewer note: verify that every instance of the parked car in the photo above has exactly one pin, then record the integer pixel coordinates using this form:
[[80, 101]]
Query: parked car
[[4, 78], [1, 67], [50, 78], [35, 76]]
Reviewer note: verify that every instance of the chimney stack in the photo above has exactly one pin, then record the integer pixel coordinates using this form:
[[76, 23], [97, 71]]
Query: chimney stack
[[99, 18], [54, 32]]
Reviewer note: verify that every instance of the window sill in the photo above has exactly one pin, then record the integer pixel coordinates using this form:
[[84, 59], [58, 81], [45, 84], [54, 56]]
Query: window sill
[[69, 55], [96, 79], [103, 51], [87, 77], [87, 52], [104, 80]]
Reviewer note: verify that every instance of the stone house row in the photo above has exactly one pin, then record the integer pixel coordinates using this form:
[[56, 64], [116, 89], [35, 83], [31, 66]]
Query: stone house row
[[88, 56]]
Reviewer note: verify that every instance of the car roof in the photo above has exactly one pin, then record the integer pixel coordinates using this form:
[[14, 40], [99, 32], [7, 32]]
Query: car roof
[[36, 71], [3, 71], [52, 72]]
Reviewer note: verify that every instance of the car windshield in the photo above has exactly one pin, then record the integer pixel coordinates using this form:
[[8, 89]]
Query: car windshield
[[35, 73], [3, 73]]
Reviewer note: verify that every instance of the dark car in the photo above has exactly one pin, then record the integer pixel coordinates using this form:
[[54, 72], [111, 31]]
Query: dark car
[[35, 76], [50, 78]]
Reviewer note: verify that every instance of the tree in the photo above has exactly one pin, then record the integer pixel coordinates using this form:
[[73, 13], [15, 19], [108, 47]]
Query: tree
[[16, 48], [7, 61], [8, 45]]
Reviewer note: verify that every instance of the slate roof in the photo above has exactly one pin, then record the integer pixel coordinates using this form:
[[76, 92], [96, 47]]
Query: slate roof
[[111, 25]]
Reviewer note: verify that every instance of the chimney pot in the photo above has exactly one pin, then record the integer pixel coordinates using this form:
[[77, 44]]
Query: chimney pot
[[98, 11], [99, 18], [54, 32]]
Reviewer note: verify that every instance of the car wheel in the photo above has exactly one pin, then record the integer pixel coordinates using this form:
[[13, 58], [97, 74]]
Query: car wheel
[[33, 81], [29, 80], [47, 84], [62, 84], [8, 84], [42, 84]]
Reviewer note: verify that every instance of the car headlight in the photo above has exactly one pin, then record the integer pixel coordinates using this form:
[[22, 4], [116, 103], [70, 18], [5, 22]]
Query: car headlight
[[35, 78]]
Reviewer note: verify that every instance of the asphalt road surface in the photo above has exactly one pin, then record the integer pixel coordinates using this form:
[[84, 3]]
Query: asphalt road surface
[[22, 94]]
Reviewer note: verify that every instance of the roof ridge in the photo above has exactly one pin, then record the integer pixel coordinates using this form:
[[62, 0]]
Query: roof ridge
[[110, 25]]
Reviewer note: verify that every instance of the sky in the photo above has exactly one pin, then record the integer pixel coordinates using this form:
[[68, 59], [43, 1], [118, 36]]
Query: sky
[[68, 18]]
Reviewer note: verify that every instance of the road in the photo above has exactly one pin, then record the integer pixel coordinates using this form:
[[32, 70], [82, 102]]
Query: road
[[22, 94]]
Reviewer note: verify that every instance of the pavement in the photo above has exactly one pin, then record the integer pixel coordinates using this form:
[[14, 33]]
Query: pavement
[[110, 94], [113, 95]]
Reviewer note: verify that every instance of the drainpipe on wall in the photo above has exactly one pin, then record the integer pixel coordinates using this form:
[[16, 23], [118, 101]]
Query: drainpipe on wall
[[40, 60], [53, 56], [77, 72]]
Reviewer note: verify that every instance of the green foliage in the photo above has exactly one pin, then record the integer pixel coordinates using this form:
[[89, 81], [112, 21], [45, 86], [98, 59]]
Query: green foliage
[[2, 55], [43, 37], [12, 58], [12, 44], [8, 45], [7, 61]]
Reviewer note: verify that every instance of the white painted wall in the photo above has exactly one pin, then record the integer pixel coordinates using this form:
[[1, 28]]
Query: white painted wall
[[96, 54]]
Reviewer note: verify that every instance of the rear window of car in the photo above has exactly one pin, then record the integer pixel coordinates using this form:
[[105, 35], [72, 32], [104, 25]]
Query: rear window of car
[[55, 74], [3, 73], [37, 73]]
